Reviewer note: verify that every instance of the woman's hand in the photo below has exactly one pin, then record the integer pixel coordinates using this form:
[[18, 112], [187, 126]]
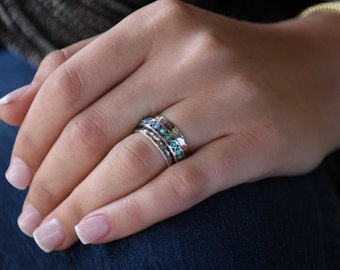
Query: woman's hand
[[251, 100]]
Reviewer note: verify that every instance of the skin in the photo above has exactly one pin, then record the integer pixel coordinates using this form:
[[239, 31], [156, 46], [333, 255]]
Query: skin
[[252, 101]]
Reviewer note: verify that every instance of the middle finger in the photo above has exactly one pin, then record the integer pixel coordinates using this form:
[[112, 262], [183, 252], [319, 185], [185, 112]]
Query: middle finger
[[129, 165], [90, 135], [74, 86]]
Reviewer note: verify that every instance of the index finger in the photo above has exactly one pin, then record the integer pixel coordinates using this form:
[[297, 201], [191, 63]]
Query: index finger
[[75, 85], [17, 103]]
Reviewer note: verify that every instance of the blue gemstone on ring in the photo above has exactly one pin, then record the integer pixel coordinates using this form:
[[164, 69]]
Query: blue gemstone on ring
[[162, 131], [156, 125], [173, 144], [168, 137], [178, 151]]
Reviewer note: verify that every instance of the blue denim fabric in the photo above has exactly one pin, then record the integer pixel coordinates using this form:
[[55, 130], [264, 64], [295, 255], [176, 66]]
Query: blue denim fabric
[[281, 223]]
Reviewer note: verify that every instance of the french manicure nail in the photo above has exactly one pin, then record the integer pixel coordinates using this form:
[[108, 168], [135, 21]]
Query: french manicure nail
[[14, 94], [6, 99], [18, 174], [29, 220], [92, 229], [49, 235]]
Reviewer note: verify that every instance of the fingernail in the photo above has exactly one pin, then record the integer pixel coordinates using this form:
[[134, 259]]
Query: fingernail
[[18, 174], [92, 229], [6, 99], [49, 235], [29, 220], [14, 94]]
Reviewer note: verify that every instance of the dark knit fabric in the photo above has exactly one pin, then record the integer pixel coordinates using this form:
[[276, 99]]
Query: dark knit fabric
[[33, 28]]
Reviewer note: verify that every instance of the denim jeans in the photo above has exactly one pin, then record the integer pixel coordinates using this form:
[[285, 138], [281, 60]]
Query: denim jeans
[[279, 223]]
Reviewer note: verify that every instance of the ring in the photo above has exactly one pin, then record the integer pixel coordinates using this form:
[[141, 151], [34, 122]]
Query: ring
[[168, 138]]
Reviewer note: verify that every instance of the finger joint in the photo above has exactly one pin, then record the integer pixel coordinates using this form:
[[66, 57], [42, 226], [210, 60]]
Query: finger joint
[[88, 133], [187, 184]]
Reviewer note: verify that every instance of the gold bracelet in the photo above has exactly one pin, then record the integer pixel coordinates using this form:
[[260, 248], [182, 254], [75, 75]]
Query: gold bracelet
[[328, 8]]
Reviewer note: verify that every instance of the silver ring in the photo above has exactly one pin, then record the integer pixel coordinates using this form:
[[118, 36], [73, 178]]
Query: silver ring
[[163, 134]]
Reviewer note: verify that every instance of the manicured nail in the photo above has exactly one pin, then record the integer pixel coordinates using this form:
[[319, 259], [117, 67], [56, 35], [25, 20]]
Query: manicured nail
[[92, 229], [14, 95], [6, 99], [18, 174], [29, 220], [49, 235]]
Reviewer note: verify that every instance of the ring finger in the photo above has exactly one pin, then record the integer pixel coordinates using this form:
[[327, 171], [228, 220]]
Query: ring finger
[[129, 165]]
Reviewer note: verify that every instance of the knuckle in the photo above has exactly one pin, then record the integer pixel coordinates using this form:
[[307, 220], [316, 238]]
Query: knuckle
[[172, 8], [171, 12], [152, 22], [67, 85], [77, 208], [208, 42], [209, 49], [133, 156], [187, 184], [53, 59], [134, 213], [166, 9], [87, 133], [26, 143], [163, 13], [49, 64], [44, 195]]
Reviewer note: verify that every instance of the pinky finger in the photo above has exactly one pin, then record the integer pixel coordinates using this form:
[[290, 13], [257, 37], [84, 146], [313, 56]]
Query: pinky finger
[[175, 190]]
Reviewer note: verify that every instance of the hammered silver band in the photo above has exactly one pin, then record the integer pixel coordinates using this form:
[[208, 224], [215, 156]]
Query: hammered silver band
[[163, 134]]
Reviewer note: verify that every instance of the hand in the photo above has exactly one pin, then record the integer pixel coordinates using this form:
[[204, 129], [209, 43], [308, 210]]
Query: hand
[[246, 97]]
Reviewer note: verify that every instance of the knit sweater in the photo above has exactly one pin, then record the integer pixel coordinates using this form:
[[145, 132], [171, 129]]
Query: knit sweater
[[34, 28]]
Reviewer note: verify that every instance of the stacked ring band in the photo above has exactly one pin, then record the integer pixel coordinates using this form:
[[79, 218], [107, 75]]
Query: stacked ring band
[[165, 136]]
